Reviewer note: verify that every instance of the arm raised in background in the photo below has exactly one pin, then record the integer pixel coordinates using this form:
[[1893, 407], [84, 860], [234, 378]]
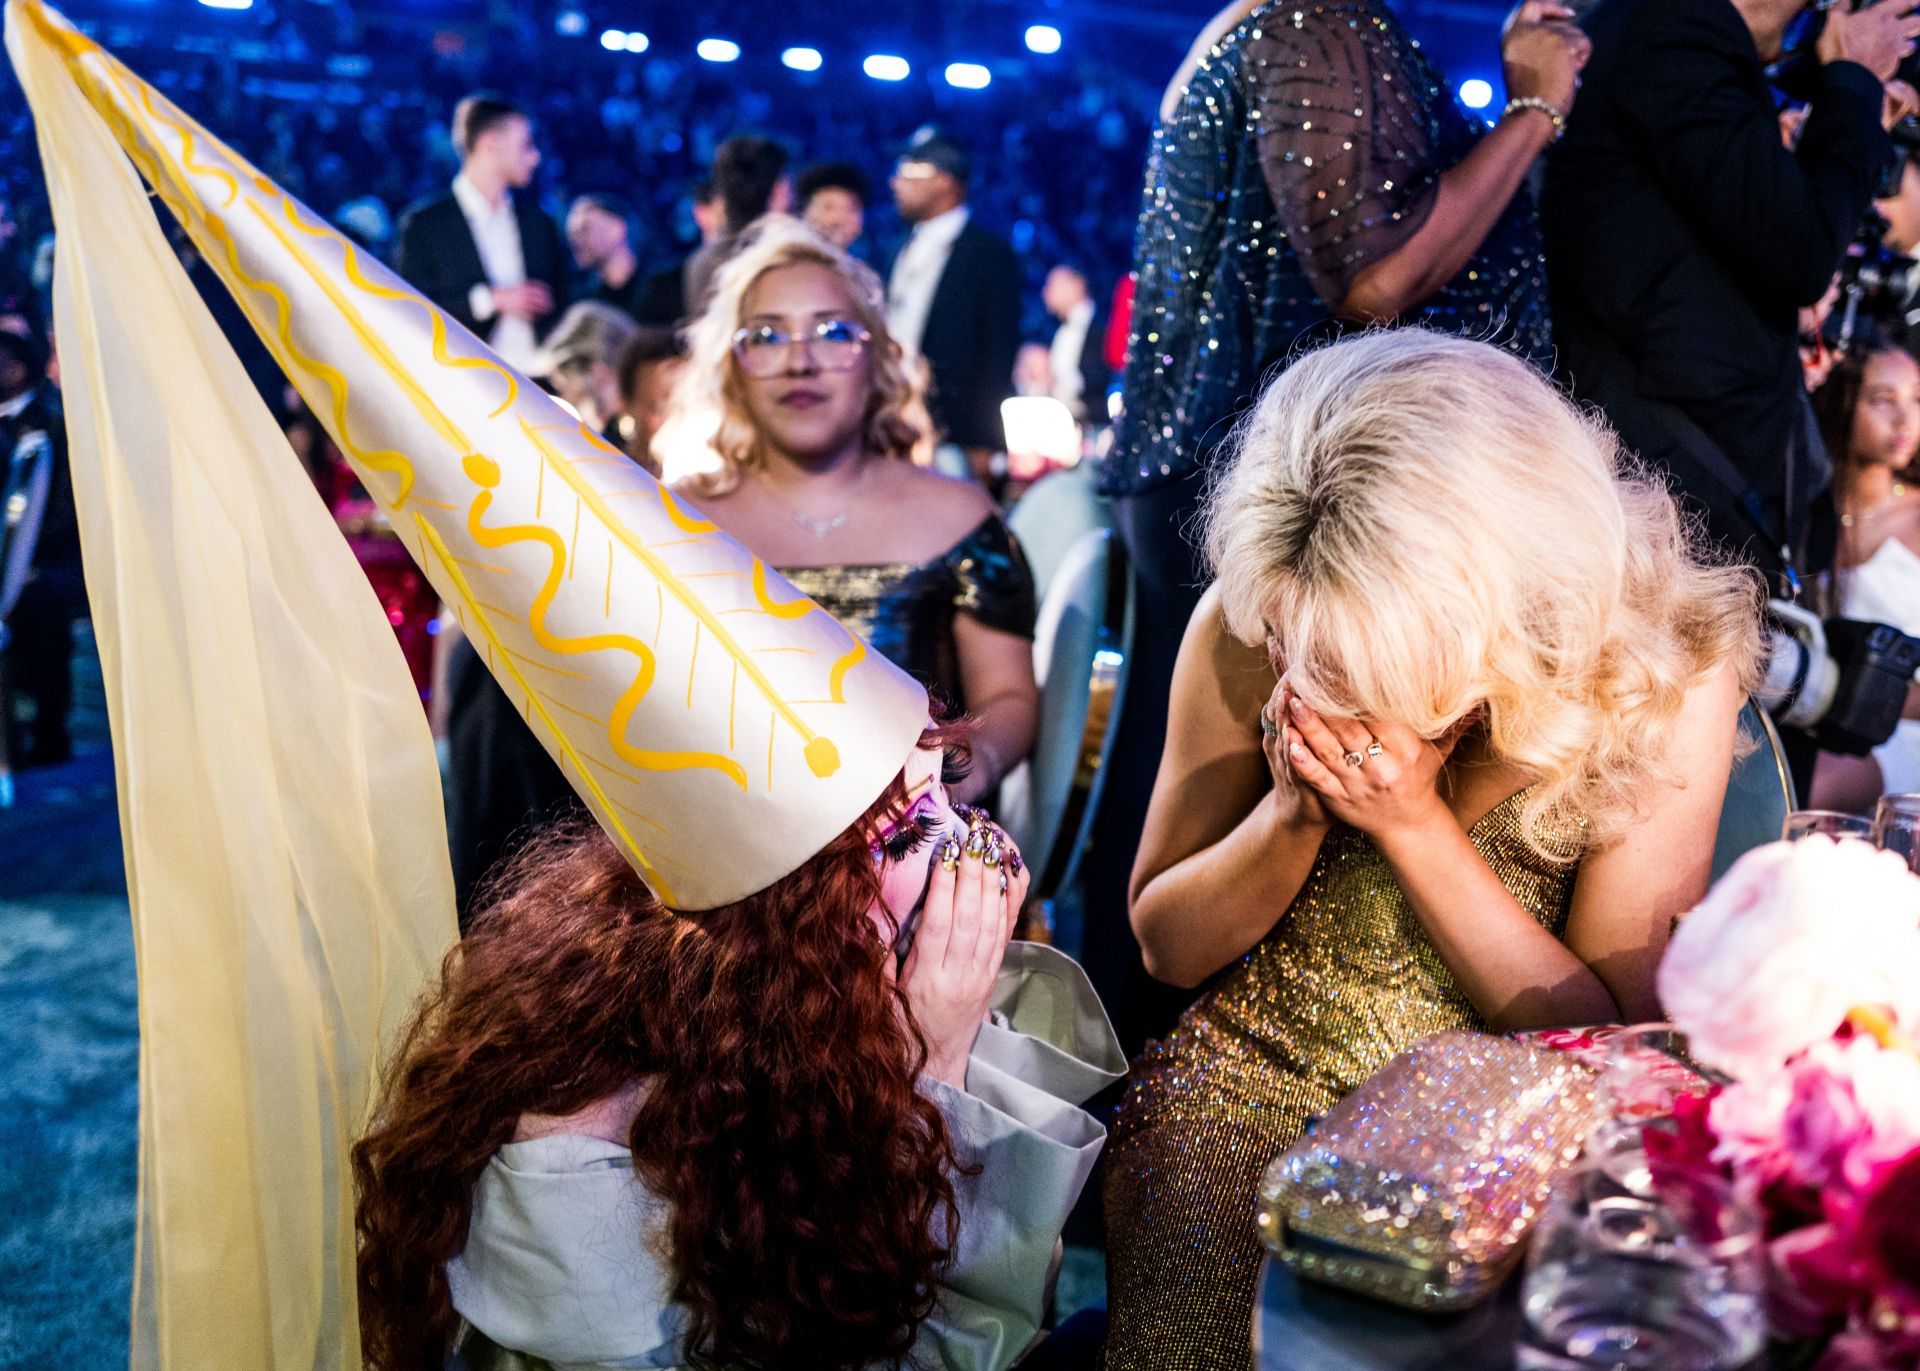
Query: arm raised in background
[[1346, 156]]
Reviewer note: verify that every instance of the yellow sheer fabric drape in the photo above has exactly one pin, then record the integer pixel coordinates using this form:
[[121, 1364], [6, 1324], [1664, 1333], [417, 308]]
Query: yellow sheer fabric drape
[[286, 855]]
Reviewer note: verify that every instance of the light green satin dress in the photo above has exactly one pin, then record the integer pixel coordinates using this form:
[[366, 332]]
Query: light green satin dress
[[557, 1271]]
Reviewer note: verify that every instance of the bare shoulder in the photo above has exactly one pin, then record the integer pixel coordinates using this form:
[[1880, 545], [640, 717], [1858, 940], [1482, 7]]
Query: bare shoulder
[[948, 509], [1705, 735], [692, 490], [1715, 702], [725, 509], [1229, 676], [1904, 522]]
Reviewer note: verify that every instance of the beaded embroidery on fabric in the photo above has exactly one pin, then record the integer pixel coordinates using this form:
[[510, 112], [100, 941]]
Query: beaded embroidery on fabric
[[905, 610], [1345, 979], [1307, 145]]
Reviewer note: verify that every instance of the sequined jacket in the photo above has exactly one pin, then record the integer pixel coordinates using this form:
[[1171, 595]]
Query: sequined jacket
[[1308, 144]]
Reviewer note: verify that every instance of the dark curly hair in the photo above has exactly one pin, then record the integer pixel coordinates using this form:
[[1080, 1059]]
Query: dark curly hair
[[812, 1209]]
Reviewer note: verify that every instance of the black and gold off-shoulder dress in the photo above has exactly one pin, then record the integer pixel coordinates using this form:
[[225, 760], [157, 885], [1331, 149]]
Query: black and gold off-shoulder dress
[[905, 610]]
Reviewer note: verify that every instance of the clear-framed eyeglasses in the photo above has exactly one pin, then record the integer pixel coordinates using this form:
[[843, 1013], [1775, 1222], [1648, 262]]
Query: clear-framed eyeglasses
[[832, 344]]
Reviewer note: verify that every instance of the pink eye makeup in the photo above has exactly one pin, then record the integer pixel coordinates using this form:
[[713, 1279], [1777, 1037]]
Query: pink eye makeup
[[908, 834]]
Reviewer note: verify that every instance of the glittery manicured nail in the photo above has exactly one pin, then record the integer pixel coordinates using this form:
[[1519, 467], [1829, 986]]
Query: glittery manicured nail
[[950, 854], [976, 842], [1003, 882], [994, 853], [1014, 864]]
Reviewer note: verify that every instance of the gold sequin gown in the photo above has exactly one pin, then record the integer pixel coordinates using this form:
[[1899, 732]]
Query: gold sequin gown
[[1344, 980]]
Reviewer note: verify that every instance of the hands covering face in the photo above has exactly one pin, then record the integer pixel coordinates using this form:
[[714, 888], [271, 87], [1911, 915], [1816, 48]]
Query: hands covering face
[[954, 883], [1371, 776], [974, 894]]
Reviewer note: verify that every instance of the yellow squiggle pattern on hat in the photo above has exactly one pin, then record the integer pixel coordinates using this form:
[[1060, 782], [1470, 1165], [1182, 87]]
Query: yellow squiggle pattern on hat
[[485, 473], [431, 537], [822, 757]]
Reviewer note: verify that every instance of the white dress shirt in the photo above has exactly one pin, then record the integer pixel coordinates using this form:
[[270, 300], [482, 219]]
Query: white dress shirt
[[1069, 343], [916, 275], [496, 232], [564, 1258]]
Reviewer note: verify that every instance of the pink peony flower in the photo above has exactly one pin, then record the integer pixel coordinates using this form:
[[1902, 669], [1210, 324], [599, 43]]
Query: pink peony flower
[[1822, 1275], [1858, 1268], [1689, 1143], [1831, 1118], [1859, 1350], [1886, 1084], [1889, 1230], [1791, 939], [1749, 1118], [1826, 1123]]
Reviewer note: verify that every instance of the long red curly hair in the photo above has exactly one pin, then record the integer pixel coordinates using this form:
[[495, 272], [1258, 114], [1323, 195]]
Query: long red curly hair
[[808, 1179]]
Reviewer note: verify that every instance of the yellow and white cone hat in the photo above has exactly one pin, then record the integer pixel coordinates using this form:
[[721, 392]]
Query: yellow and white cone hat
[[720, 725]]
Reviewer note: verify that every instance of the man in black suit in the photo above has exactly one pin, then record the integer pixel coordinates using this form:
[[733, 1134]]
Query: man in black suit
[[600, 232], [1684, 237], [954, 297], [487, 257], [42, 591], [1078, 354]]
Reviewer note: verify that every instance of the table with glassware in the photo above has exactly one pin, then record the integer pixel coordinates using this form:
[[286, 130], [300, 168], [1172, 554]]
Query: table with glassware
[[1404, 1208], [1301, 1324], [1641, 1198]]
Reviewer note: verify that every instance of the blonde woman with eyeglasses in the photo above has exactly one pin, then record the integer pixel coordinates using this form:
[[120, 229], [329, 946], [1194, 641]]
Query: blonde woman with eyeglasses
[[1448, 739], [812, 466]]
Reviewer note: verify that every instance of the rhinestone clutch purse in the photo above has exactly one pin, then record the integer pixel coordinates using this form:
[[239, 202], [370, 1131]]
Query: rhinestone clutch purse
[[1419, 1187]]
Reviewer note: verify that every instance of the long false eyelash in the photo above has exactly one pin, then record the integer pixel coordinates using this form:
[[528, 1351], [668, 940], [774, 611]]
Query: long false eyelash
[[956, 764], [912, 835]]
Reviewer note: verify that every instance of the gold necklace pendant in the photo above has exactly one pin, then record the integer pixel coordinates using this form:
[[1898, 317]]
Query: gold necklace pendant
[[1899, 491]]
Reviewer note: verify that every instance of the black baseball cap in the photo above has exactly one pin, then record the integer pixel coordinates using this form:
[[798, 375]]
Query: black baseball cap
[[937, 150]]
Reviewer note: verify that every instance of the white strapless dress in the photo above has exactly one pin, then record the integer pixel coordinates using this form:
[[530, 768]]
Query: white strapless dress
[[1886, 590]]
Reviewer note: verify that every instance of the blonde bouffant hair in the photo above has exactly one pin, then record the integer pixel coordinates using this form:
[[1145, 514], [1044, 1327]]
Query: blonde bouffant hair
[[708, 399], [1419, 526]]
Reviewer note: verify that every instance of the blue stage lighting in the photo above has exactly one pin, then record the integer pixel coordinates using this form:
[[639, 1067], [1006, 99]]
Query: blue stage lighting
[[613, 40], [637, 42], [882, 67], [228, 4], [1043, 38], [718, 50], [570, 23], [801, 59], [969, 76], [1476, 94]]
